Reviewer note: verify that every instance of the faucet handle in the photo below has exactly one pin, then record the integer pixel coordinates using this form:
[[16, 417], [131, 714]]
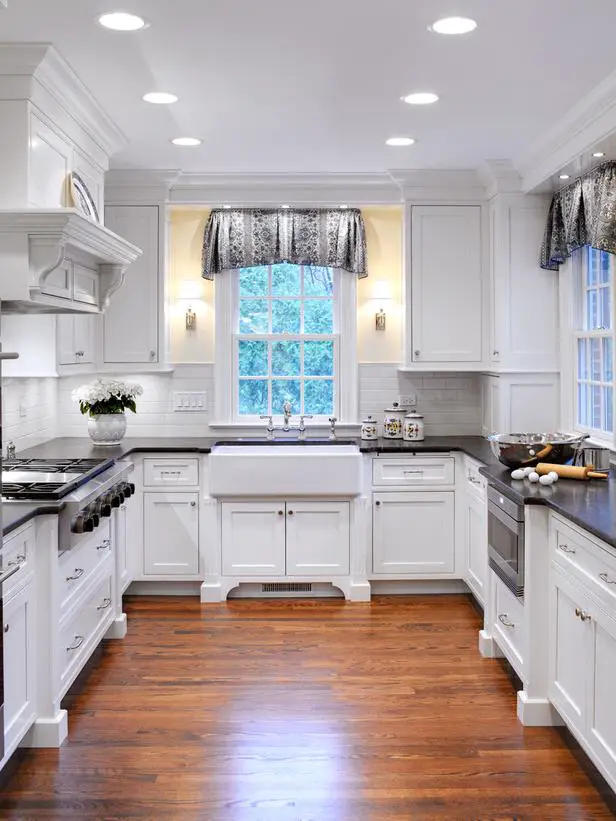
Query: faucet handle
[[332, 427]]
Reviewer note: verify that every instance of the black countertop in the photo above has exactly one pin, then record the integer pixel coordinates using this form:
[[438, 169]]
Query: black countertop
[[590, 504], [15, 514]]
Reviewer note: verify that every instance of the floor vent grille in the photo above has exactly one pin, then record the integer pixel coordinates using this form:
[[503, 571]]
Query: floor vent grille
[[286, 587]]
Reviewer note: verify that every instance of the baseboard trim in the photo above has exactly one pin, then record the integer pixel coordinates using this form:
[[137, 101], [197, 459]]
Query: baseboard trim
[[410, 588], [163, 589]]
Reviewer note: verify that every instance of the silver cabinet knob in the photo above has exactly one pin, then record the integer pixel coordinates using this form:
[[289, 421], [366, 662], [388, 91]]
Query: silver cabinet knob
[[6, 628], [152, 355], [281, 513], [417, 353], [377, 504], [290, 513], [193, 504], [79, 353]]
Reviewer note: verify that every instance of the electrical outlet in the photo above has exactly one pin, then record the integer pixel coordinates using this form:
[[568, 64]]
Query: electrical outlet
[[407, 400], [189, 401]]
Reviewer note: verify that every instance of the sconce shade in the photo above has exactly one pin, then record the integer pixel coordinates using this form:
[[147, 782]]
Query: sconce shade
[[381, 290], [190, 289]]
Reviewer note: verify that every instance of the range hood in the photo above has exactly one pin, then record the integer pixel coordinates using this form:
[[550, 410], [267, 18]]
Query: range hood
[[58, 261]]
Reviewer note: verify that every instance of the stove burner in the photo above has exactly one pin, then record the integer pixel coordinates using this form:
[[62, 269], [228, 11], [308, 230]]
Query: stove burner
[[52, 465], [8, 490], [56, 477]]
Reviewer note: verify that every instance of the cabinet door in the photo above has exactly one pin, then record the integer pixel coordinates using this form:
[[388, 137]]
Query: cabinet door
[[601, 729], [171, 534], [83, 338], [317, 538], [413, 533], [476, 564], [121, 552], [65, 336], [253, 538], [19, 665], [130, 323], [569, 650], [446, 283]]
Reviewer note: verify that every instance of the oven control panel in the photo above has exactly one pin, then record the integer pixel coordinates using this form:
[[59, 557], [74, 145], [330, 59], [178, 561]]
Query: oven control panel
[[89, 517]]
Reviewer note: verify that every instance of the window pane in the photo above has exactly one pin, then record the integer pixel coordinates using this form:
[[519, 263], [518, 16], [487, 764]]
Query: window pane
[[583, 418], [286, 279], [608, 360], [318, 316], [595, 359], [608, 401], [252, 358], [583, 358], [253, 316], [283, 390], [592, 264], [605, 266], [252, 396], [319, 397], [319, 358], [285, 359], [592, 313], [254, 281], [318, 281], [595, 407], [285, 316], [605, 319]]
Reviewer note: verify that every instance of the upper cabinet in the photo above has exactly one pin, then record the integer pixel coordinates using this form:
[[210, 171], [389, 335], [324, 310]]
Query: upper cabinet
[[130, 324], [446, 286]]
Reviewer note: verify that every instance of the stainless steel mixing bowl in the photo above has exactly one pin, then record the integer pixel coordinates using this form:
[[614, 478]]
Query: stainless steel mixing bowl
[[527, 449]]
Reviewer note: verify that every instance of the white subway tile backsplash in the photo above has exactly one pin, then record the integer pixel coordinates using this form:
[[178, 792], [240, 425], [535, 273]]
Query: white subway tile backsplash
[[29, 411]]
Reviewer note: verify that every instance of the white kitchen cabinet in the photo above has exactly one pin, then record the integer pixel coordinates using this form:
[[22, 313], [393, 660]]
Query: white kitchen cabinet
[[253, 538], [317, 538], [446, 300], [19, 665], [75, 339], [601, 730], [413, 533], [171, 534], [130, 323], [476, 544]]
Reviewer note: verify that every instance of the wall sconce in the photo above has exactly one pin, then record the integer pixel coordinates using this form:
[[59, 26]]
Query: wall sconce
[[189, 291], [381, 292]]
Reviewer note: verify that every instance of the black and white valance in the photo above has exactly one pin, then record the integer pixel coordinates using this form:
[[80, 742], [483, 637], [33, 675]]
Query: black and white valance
[[325, 237], [583, 213]]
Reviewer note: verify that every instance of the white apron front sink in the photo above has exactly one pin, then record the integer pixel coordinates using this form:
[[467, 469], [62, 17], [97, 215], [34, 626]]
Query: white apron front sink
[[285, 470]]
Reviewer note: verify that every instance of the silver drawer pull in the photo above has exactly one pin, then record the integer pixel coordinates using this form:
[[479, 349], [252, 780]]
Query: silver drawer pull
[[105, 604], [582, 614], [6, 628], [474, 481], [171, 473], [106, 544], [566, 549], [79, 640], [604, 577], [9, 573], [17, 560], [412, 472], [504, 620], [79, 571]]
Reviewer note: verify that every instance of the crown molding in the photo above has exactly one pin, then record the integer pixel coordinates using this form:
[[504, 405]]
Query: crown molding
[[425, 185], [134, 185], [28, 68], [584, 126], [500, 177]]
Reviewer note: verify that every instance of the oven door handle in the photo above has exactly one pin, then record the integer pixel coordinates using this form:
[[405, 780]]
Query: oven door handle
[[9, 573], [511, 524]]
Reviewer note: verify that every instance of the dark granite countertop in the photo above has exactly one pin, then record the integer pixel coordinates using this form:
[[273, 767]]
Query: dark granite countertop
[[590, 504], [15, 514]]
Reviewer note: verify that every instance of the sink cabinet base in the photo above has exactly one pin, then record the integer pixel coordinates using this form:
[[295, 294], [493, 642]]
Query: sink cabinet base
[[217, 590]]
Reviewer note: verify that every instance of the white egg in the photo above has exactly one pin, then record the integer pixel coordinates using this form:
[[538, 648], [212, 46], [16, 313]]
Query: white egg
[[531, 452], [554, 475], [546, 480], [528, 471], [518, 474], [533, 477]]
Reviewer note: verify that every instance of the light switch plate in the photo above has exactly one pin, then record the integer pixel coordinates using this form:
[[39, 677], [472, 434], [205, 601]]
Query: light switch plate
[[189, 401], [407, 400]]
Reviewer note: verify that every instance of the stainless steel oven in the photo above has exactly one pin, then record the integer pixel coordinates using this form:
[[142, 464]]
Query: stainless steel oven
[[506, 540]]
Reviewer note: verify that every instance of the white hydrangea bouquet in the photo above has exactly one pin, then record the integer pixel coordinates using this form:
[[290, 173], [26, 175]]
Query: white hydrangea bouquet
[[105, 396]]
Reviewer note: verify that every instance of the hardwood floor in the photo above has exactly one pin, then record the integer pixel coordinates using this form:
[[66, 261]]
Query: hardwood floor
[[301, 711]]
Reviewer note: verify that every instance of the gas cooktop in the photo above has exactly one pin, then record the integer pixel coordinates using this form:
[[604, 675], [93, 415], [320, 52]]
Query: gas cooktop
[[49, 479]]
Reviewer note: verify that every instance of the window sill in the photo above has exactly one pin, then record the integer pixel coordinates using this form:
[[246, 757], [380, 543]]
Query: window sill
[[249, 429]]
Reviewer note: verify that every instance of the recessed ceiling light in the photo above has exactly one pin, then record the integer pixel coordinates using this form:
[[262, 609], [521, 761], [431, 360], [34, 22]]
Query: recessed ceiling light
[[599, 154], [121, 21], [453, 25], [420, 98], [564, 177], [400, 141], [186, 141], [160, 98]]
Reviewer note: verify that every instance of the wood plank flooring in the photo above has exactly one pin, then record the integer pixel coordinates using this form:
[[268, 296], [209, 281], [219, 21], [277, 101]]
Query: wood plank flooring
[[301, 710]]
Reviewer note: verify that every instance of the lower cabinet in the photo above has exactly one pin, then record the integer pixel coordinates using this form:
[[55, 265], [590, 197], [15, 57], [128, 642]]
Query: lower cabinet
[[19, 656], [171, 534], [413, 533], [285, 538]]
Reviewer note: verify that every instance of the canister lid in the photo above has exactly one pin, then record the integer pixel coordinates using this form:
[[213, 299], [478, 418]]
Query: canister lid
[[395, 408], [369, 420], [414, 415]]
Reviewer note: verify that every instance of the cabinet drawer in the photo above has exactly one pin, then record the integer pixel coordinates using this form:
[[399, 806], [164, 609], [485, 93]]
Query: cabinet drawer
[[17, 549], [170, 472], [508, 624], [414, 471], [474, 481], [78, 634], [85, 285], [78, 565], [586, 560]]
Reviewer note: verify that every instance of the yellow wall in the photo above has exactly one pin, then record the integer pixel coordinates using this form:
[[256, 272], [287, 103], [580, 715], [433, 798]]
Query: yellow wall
[[384, 247]]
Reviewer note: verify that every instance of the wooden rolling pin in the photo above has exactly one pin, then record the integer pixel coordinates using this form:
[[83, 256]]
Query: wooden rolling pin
[[570, 471]]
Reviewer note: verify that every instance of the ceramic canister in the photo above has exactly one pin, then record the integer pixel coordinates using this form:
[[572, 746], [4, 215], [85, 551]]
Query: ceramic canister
[[368, 428], [413, 427], [392, 424]]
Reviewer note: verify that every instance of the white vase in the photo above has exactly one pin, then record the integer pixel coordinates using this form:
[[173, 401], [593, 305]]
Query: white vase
[[107, 428]]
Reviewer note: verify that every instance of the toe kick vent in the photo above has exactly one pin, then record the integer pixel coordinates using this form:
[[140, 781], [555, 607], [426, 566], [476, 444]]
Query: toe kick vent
[[286, 587]]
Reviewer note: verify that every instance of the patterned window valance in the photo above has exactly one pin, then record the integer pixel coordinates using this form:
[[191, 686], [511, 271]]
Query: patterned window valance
[[243, 237], [583, 213]]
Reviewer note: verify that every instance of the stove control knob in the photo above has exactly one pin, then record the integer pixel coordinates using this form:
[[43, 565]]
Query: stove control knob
[[132, 487], [126, 490], [77, 524], [88, 524], [115, 499], [105, 506]]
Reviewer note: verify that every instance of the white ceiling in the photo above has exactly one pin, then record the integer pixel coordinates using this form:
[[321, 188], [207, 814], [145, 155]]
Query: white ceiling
[[314, 85]]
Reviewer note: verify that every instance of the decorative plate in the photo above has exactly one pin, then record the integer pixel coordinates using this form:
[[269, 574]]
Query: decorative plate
[[82, 199]]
